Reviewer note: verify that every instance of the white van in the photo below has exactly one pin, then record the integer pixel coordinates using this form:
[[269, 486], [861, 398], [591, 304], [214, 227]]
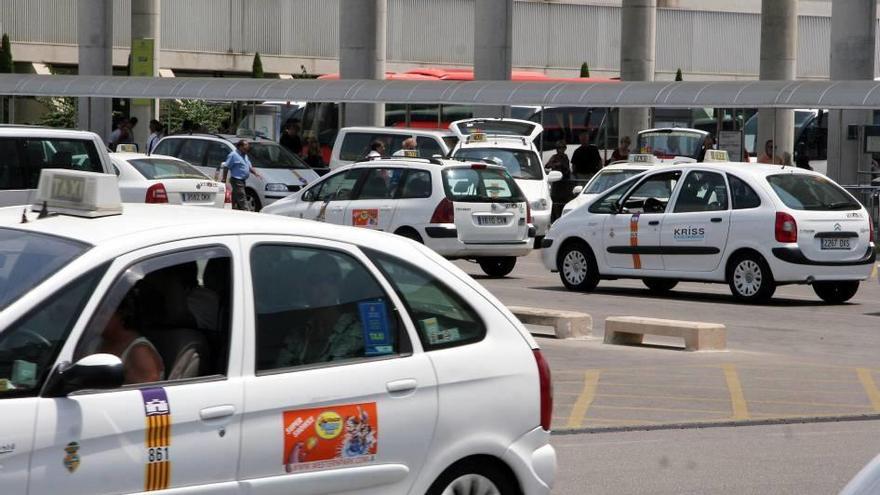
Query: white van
[[27, 150], [353, 143]]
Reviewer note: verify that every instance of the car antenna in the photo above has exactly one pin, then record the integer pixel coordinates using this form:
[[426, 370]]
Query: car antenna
[[44, 211], [24, 215]]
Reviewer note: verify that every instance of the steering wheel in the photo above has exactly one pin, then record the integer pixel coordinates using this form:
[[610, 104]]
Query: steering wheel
[[652, 205], [34, 336]]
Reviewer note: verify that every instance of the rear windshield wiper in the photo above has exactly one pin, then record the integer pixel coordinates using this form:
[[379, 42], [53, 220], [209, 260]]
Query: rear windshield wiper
[[840, 205]]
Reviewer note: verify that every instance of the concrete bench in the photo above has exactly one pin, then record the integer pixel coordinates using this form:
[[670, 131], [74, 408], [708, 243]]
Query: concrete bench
[[697, 336], [566, 324]]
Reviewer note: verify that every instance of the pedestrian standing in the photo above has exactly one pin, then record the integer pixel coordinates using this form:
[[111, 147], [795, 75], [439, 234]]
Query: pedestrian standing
[[708, 144], [621, 153], [119, 135], [313, 154], [155, 135], [769, 155], [560, 191], [238, 168], [585, 161], [290, 139]]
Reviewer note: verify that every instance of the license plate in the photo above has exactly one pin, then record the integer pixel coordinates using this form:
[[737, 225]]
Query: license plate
[[487, 220], [835, 243], [197, 197]]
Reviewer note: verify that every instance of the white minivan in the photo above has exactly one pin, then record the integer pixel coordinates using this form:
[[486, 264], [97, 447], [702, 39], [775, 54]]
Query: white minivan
[[461, 210], [353, 143]]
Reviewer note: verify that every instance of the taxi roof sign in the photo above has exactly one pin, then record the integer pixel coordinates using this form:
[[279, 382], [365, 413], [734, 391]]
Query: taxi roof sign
[[477, 137], [642, 158], [716, 156], [77, 193]]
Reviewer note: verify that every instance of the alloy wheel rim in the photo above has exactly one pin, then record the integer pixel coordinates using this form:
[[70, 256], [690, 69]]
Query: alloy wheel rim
[[471, 484], [747, 278], [574, 267]]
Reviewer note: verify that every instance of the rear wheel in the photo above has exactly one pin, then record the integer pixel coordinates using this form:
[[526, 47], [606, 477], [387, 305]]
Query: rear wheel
[[577, 267], [473, 479], [252, 201], [497, 266], [749, 278], [659, 285], [836, 292]]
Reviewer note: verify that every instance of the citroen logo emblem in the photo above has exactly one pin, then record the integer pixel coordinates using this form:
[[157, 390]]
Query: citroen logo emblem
[[837, 227]]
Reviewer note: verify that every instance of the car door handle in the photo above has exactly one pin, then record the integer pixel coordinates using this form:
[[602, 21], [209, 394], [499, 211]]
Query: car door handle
[[716, 220], [399, 386], [654, 222], [216, 412]]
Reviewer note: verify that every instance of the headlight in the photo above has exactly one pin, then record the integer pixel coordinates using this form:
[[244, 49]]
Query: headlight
[[540, 204], [276, 187]]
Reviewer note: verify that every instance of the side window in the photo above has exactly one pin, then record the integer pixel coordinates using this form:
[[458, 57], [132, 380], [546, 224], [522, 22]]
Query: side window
[[416, 184], [167, 318], [743, 195], [29, 347], [702, 191], [442, 318], [339, 187], [13, 172], [22, 166], [167, 147], [193, 151], [652, 194], [381, 183], [316, 306], [428, 147], [217, 153], [608, 203], [355, 146]]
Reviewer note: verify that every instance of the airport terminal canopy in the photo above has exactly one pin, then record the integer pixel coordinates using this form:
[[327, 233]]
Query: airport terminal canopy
[[681, 94]]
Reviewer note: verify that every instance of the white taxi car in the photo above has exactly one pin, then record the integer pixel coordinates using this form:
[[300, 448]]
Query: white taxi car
[[164, 179], [752, 226], [194, 350], [511, 143], [459, 209]]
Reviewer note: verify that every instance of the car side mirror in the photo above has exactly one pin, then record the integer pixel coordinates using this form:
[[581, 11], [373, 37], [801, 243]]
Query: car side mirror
[[98, 371], [554, 176], [577, 190]]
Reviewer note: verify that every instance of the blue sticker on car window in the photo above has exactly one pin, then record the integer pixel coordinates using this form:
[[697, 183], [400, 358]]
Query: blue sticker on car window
[[374, 321]]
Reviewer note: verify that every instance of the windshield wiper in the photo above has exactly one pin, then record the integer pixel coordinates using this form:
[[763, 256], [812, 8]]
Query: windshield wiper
[[839, 205]]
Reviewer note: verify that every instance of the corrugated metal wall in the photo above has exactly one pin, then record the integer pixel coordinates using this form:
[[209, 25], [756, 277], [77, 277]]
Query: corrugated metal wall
[[546, 35]]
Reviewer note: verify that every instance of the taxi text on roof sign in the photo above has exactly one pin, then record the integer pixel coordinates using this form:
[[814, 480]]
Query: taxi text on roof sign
[[716, 156], [76, 193], [642, 158]]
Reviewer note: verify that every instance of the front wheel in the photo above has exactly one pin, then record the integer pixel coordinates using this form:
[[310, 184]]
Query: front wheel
[[659, 285], [473, 479], [750, 279], [577, 267], [252, 201], [498, 266], [836, 292]]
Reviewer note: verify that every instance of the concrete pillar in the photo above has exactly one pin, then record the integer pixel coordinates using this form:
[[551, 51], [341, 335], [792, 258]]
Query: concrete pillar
[[362, 54], [638, 29], [778, 62], [146, 24], [493, 47], [853, 29], [95, 37]]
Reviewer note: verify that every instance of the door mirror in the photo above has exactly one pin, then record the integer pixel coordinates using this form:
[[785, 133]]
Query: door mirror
[[98, 371], [554, 176], [577, 190]]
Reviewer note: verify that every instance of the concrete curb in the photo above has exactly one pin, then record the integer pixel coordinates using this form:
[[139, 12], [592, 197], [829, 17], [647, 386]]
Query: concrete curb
[[566, 324]]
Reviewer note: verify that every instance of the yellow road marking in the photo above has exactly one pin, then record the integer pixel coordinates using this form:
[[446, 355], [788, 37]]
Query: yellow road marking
[[870, 386], [692, 387], [699, 399], [579, 410], [737, 399], [662, 409]]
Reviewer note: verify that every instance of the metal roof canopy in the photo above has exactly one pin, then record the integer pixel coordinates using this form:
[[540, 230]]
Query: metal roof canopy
[[683, 94]]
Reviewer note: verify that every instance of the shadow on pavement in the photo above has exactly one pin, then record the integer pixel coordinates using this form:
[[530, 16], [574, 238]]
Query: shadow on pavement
[[685, 295]]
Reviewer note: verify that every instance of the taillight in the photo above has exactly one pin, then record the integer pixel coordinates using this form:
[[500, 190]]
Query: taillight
[[528, 212], [227, 198], [157, 194], [786, 228], [546, 389], [444, 212], [870, 228]]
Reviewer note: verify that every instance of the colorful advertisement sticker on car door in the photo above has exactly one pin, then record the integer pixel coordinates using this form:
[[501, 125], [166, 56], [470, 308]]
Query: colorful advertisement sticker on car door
[[365, 218], [328, 437]]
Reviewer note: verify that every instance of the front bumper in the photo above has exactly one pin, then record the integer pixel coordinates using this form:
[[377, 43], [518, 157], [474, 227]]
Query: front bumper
[[533, 460]]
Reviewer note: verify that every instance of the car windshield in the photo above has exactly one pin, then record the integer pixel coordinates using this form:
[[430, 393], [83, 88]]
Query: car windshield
[[521, 164], [163, 168], [668, 144], [811, 192], [273, 155], [481, 185], [28, 258], [607, 179]]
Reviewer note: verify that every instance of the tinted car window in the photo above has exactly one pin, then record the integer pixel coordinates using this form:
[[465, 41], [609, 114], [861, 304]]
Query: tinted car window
[[316, 306], [442, 318], [428, 147], [702, 191], [607, 179], [193, 151], [217, 154], [522, 164], [480, 185], [25, 158], [381, 183], [608, 203], [811, 192], [356, 145], [273, 155], [743, 195], [336, 187], [167, 147], [416, 184], [652, 194], [163, 168]]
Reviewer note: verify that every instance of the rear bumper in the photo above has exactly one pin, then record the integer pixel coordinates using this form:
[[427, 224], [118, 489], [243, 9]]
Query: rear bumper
[[797, 257], [533, 460], [790, 265], [454, 248]]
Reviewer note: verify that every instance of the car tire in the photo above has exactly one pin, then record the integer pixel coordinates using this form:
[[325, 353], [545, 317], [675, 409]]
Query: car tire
[[750, 279], [577, 267], [411, 234], [252, 201], [497, 266], [837, 292], [659, 285], [476, 479]]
